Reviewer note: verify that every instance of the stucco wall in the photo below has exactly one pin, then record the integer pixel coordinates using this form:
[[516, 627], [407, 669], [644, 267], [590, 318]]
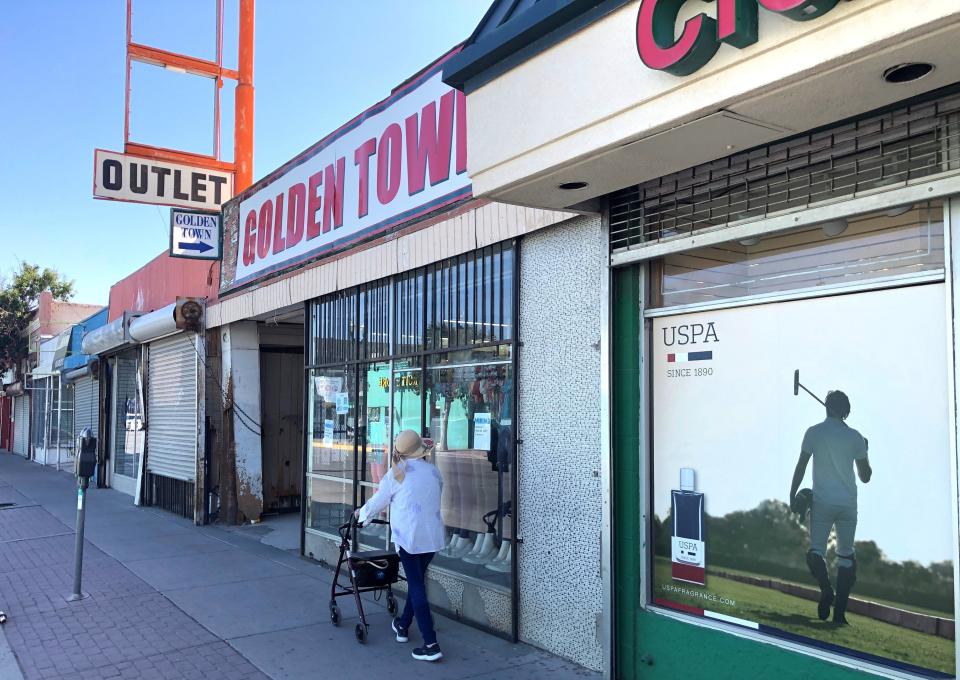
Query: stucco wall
[[560, 494]]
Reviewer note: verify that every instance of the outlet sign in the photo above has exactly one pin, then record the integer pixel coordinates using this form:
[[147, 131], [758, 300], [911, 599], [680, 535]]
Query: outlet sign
[[701, 36], [137, 179]]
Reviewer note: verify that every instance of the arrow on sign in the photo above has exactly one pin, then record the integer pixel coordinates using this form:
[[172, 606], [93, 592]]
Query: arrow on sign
[[199, 247]]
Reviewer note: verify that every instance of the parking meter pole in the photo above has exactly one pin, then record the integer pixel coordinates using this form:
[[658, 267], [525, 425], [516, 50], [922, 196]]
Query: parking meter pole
[[78, 594]]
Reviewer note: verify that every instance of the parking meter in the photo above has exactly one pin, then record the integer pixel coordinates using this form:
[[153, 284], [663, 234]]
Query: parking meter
[[86, 461], [85, 468]]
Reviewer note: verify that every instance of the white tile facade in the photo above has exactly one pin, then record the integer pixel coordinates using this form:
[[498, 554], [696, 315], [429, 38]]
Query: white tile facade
[[560, 494]]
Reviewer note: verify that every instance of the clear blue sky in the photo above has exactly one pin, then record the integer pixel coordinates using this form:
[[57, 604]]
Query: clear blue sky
[[318, 63]]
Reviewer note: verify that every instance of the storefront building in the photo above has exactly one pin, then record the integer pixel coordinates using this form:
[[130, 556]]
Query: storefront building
[[51, 399], [42, 410], [404, 302], [82, 372], [151, 377], [779, 184]]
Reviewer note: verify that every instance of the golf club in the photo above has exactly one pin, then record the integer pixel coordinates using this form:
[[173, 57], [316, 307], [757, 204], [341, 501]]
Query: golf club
[[797, 385]]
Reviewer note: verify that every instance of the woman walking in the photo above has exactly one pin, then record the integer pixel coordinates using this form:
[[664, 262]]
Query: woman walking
[[412, 489]]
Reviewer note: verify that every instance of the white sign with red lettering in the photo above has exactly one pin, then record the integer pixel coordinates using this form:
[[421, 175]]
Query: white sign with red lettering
[[400, 159]]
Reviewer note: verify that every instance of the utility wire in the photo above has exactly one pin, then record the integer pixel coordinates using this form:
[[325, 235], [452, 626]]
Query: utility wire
[[241, 414]]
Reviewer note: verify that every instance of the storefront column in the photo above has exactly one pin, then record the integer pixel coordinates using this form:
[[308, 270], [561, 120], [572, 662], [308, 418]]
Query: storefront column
[[626, 415], [240, 369]]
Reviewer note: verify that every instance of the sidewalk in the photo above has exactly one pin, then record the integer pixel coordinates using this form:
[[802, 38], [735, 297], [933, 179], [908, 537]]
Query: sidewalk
[[169, 600]]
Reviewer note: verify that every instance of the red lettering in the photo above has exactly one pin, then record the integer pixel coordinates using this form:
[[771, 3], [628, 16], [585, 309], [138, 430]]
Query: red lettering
[[296, 204], [264, 229], [250, 238], [655, 38], [278, 243], [313, 205], [388, 163], [333, 195], [361, 158], [461, 132], [430, 145], [800, 10]]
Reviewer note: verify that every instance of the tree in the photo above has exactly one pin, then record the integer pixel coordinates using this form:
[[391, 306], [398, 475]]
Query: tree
[[18, 298]]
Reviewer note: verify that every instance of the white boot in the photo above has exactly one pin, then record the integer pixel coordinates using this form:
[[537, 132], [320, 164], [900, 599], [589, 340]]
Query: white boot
[[466, 546], [451, 545], [501, 555], [505, 565], [488, 549], [477, 547]]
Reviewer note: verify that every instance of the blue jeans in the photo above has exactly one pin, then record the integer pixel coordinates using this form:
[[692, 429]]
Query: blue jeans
[[415, 567]]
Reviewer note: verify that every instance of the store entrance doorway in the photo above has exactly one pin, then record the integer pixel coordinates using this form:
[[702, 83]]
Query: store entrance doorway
[[281, 421]]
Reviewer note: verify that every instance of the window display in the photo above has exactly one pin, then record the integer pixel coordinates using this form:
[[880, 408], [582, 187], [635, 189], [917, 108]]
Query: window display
[[472, 434], [428, 350], [801, 473]]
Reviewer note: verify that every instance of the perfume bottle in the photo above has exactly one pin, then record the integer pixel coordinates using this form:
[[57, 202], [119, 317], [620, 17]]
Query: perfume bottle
[[688, 551]]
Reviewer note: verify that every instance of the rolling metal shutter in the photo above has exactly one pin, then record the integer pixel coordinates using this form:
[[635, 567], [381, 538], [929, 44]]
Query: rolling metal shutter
[[21, 425], [172, 407], [85, 401]]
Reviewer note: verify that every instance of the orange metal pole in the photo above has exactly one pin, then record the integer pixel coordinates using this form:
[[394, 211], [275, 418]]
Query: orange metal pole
[[243, 120]]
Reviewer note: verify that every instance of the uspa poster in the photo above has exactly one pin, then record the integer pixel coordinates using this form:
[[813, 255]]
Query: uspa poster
[[862, 562]]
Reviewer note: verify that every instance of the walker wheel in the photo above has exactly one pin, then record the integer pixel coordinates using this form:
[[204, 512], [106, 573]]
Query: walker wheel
[[361, 632], [392, 607], [335, 614]]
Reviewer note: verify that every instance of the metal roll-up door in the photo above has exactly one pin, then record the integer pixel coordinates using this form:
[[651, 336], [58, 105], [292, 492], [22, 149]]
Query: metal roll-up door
[[172, 407], [21, 425], [85, 405]]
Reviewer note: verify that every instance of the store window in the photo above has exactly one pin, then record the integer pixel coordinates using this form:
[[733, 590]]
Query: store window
[[857, 250], [429, 350], [800, 447]]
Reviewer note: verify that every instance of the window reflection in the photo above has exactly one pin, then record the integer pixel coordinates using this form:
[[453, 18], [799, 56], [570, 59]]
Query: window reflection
[[332, 422], [445, 372], [469, 419]]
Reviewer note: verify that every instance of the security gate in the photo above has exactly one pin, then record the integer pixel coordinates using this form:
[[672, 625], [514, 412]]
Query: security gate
[[172, 427], [21, 425], [86, 413]]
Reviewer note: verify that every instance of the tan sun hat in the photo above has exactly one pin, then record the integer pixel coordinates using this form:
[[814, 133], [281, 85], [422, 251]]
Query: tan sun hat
[[409, 446]]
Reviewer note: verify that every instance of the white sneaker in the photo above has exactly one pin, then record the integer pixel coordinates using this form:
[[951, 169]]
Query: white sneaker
[[402, 633]]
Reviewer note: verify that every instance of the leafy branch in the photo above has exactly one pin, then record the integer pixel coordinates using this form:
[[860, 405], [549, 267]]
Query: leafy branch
[[19, 297]]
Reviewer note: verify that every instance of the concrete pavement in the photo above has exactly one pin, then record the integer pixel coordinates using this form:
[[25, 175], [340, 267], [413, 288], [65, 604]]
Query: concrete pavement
[[174, 601]]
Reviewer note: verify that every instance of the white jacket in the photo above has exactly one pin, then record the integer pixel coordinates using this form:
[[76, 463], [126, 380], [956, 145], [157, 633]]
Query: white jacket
[[415, 521]]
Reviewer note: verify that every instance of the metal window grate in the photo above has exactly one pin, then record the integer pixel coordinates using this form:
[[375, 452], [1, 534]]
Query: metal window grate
[[883, 150], [457, 303]]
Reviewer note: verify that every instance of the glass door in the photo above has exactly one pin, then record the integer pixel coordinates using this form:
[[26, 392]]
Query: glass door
[[331, 428], [126, 441]]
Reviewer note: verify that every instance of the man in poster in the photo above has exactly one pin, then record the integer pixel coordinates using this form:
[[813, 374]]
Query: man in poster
[[835, 448]]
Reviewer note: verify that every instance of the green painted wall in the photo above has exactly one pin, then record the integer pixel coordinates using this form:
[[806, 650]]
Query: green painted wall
[[650, 645]]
